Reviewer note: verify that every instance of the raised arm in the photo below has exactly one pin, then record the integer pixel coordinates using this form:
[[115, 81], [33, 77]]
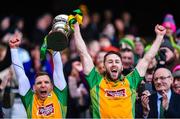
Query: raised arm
[[148, 57], [58, 75], [86, 59], [23, 81]]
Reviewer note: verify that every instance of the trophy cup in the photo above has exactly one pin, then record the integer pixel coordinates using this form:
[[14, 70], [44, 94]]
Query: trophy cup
[[58, 38]]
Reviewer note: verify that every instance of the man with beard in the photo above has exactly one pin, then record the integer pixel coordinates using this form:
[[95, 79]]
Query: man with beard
[[112, 95], [46, 100], [167, 57]]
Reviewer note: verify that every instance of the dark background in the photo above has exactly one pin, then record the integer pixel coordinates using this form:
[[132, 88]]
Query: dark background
[[146, 14]]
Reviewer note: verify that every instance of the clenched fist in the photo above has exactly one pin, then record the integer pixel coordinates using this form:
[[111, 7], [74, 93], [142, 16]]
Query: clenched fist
[[15, 40], [160, 30]]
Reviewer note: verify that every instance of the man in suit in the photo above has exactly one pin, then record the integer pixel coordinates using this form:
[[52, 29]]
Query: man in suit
[[164, 103]]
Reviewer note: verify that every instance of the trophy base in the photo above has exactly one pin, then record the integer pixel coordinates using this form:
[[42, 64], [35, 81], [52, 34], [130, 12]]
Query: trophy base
[[57, 41]]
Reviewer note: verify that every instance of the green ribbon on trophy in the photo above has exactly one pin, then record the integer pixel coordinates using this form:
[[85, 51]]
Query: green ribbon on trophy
[[58, 38], [72, 19]]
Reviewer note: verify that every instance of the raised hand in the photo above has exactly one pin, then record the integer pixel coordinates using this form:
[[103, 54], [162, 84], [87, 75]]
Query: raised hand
[[15, 40], [145, 103], [160, 30], [165, 102]]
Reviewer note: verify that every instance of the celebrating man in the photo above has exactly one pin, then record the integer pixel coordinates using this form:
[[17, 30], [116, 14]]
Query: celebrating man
[[46, 100], [112, 95]]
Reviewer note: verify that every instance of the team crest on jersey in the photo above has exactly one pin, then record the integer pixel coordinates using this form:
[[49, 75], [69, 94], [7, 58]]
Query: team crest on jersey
[[115, 93], [46, 110]]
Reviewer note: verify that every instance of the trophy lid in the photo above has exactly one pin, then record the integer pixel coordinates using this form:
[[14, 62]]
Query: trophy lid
[[60, 18]]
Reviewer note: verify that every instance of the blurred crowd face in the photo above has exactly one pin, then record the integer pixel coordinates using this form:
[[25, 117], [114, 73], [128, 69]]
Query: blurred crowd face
[[162, 80], [42, 86], [95, 18], [119, 25], [42, 23], [113, 66], [139, 48], [104, 42], [100, 67], [109, 30], [48, 18], [176, 85], [126, 16], [20, 24], [149, 77], [127, 59], [169, 31], [169, 54], [108, 15], [99, 62], [93, 48], [5, 23], [35, 53], [76, 68]]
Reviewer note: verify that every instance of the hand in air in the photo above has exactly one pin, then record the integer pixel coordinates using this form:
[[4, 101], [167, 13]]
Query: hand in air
[[15, 40]]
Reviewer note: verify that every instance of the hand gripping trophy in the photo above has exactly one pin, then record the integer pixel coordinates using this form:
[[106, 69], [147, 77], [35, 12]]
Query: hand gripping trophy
[[59, 36]]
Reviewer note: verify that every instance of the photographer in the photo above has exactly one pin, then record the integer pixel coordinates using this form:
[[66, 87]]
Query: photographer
[[167, 56]]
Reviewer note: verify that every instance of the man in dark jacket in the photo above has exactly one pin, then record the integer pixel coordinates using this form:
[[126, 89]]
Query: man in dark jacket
[[164, 103]]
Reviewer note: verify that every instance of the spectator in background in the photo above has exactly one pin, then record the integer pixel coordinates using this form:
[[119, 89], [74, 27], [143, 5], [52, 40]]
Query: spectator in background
[[178, 37], [119, 28], [164, 103], [126, 42], [139, 49], [127, 57], [5, 24], [78, 99], [105, 44], [167, 55], [170, 25], [176, 82], [96, 24], [40, 30], [6, 97], [107, 17], [88, 31], [129, 27], [93, 48], [109, 30], [5, 56], [99, 62]]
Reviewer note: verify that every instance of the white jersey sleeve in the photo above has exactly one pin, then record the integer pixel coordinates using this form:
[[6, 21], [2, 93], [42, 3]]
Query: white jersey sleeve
[[58, 75], [23, 81]]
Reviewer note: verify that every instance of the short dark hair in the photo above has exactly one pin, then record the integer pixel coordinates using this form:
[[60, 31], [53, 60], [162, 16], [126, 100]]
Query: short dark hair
[[111, 52], [42, 73]]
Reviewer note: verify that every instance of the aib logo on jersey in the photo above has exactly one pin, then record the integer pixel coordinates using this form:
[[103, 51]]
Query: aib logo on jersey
[[115, 93], [46, 110]]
